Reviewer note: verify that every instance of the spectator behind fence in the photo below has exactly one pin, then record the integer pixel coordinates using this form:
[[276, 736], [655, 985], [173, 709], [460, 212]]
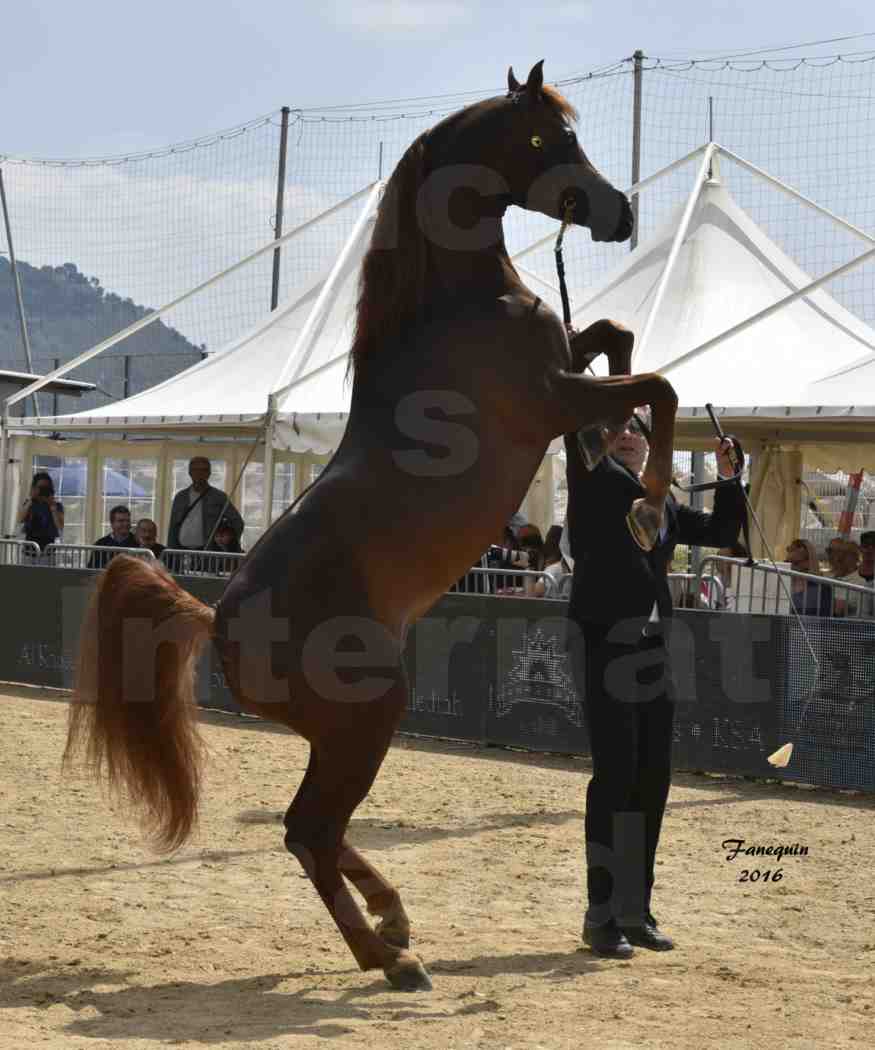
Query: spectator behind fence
[[809, 597], [197, 509], [119, 536], [225, 539], [844, 558], [531, 544], [42, 516], [867, 557], [552, 563], [147, 536], [867, 570], [514, 553], [504, 555]]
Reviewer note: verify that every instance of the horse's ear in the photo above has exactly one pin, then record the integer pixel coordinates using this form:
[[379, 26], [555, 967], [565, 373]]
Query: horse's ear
[[513, 85], [536, 81]]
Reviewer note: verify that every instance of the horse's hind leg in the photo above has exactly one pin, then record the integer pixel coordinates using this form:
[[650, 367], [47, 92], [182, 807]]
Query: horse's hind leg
[[381, 897], [340, 774]]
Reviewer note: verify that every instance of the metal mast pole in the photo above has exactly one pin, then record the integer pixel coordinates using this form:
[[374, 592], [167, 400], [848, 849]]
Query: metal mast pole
[[636, 140], [280, 200], [22, 320]]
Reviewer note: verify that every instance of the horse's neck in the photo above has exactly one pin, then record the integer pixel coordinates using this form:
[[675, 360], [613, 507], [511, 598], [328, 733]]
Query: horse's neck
[[469, 276]]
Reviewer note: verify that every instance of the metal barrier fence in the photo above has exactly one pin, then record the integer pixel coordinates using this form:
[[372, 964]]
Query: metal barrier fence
[[20, 552], [517, 583], [89, 556], [763, 588], [722, 584], [201, 563], [686, 589]]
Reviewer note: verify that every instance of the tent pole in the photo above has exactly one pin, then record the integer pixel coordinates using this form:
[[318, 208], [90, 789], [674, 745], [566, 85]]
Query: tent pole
[[800, 293], [675, 250], [280, 200], [155, 314], [796, 195], [19, 301], [4, 469], [636, 141], [268, 463]]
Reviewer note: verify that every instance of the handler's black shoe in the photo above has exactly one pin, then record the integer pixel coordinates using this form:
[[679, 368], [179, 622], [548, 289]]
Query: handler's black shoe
[[647, 935], [607, 940]]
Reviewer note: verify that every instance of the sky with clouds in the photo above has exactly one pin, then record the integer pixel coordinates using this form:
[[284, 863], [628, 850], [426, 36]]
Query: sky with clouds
[[100, 78]]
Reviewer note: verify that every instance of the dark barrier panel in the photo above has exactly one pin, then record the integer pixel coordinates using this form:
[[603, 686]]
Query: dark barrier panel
[[41, 614], [834, 743], [212, 690], [41, 610], [728, 678], [448, 664], [532, 699], [495, 670]]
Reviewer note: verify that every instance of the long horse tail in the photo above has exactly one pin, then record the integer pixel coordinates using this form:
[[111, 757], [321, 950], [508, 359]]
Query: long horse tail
[[133, 710]]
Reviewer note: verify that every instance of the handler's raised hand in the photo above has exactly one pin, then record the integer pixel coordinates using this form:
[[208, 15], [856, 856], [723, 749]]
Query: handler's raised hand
[[725, 465]]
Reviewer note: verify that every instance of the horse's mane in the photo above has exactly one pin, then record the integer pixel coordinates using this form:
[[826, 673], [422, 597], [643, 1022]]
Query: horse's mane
[[392, 280], [559, 103], [392, 283]]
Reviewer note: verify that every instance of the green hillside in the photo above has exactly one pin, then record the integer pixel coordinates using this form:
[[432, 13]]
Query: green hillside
[[67, 313]]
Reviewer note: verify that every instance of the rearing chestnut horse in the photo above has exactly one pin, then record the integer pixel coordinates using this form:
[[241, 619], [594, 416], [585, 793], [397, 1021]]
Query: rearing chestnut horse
[[462, 377]]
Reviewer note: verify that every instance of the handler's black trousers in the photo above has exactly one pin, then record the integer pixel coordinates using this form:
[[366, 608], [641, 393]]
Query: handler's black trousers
[[629, 716]]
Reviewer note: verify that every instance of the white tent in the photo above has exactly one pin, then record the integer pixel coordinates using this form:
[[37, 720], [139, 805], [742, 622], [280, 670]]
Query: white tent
[[690, 292]]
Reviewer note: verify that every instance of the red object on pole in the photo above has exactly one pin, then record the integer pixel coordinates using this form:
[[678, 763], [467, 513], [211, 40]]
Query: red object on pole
[[846, 521]]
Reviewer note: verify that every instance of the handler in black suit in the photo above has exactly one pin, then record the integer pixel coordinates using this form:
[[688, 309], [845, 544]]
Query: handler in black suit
[[619, 601]]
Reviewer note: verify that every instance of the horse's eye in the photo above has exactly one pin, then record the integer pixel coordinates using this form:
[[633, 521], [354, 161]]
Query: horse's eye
[[536, 141]]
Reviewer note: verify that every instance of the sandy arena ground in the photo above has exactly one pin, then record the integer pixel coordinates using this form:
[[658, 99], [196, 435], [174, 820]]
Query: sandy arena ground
[[104, 945]]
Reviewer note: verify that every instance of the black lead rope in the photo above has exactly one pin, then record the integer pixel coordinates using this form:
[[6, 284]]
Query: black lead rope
[[568, 212]]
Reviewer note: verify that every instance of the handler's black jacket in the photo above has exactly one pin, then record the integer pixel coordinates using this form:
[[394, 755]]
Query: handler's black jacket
[[613, 578]]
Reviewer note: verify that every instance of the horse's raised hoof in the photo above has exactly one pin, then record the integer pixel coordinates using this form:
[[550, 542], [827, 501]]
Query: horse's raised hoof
[[393, 933], [643, 521], [407, 974]]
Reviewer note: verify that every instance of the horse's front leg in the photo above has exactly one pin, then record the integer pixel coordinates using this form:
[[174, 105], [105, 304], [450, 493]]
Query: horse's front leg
[[583, 400], [606, 337], [615, 341]]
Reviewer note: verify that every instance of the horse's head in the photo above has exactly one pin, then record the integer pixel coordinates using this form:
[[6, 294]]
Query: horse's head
[[545, 166]]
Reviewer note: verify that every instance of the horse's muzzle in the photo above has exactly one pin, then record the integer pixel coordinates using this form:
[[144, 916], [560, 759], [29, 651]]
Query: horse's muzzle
[[621, 229], [608, 214], [627, 221]]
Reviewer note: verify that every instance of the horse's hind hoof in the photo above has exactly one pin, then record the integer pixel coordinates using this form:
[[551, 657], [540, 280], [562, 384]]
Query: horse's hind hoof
[[407, 974]]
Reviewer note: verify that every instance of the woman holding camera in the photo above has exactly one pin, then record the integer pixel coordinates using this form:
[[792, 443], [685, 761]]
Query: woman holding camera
[[42, 516]]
